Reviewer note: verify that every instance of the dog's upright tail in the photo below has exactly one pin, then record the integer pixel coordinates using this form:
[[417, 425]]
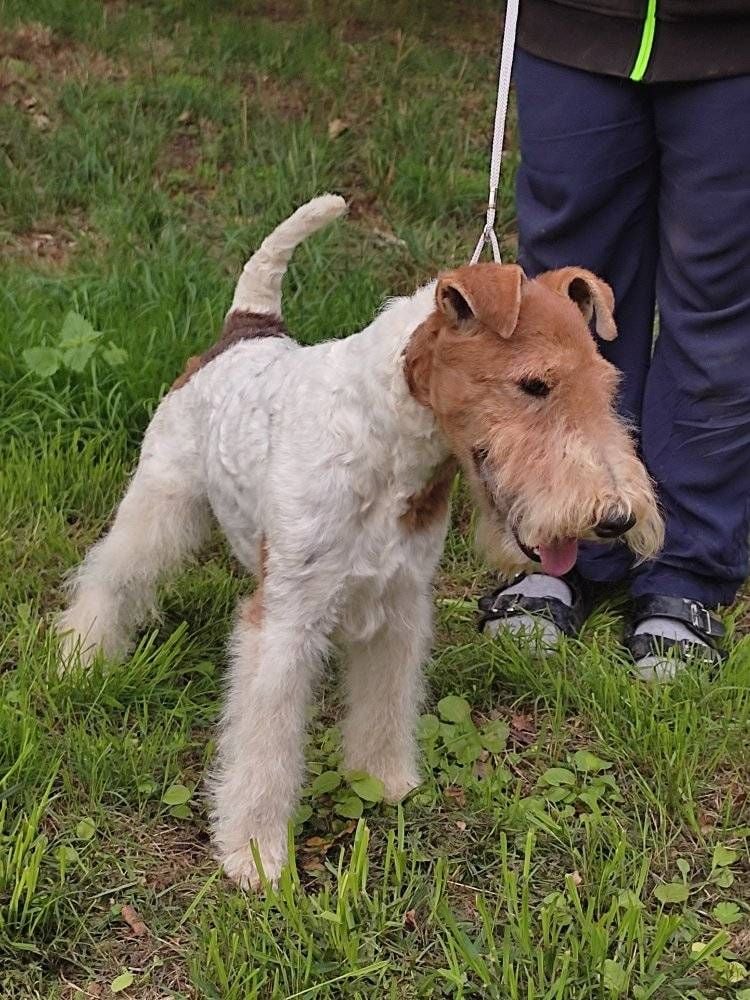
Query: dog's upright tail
[[259, 287]]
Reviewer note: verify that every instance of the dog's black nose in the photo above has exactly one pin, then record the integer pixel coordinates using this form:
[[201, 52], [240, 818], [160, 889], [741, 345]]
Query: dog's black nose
[[614, 524]]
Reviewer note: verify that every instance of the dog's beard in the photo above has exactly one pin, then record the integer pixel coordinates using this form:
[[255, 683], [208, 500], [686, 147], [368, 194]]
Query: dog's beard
[[502, 541]]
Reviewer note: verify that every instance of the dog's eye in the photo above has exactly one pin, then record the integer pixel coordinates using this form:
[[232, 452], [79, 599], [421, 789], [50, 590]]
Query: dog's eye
[[535, 387]]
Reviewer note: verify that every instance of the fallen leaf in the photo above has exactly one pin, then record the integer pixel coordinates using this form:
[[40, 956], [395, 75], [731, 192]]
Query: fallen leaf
[[347, 828], [317, 842], [706, 822], [410, 920], [521, 722], [41, 121], [456, 793], [336, 126], [460, 824], [523, 728], [133, 920], [184, 118], [575, 877]]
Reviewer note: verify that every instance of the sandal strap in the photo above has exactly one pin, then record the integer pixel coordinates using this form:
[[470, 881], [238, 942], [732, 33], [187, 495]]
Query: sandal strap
[[569, 619], [682, 609], [644, 644]]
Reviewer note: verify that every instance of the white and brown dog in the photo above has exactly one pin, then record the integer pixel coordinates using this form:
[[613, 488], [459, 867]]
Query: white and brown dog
[[329, 469]]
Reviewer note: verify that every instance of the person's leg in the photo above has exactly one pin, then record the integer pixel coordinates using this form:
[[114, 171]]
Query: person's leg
[[586, 195], [696, 415]]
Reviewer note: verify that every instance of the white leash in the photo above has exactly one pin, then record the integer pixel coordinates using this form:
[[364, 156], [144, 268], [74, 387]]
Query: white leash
[[501, 110]]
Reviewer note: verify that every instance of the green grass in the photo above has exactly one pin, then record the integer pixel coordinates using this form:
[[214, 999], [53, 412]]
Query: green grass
[[144, 149]]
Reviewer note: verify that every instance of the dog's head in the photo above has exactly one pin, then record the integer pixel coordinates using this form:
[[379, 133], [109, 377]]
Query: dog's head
[[510, 370]]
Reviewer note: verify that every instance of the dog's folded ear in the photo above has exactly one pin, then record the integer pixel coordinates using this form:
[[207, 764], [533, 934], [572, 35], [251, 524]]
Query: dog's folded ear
[[593, 297], [487, 293]]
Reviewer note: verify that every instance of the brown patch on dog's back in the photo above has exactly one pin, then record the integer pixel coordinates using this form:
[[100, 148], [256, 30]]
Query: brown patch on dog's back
[[191, 367], [240, 324], [431, 503]]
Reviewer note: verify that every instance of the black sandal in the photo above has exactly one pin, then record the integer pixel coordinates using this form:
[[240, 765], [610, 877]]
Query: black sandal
[[568, 619], [704, 625]]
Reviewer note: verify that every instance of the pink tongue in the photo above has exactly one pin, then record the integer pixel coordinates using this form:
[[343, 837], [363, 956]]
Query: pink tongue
[[557, 559]]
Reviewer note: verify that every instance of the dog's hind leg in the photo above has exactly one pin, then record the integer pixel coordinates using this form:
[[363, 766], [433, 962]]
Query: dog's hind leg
[[383, 683], [162, 518]]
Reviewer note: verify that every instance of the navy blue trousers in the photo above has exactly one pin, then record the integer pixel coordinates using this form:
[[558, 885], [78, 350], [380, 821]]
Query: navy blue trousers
[[649, 187]]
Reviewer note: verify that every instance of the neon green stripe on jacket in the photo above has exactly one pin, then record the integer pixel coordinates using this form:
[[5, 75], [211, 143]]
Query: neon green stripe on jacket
[[647, 43]]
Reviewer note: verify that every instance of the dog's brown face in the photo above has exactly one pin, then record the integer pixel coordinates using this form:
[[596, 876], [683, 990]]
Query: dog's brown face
[[510, 369]]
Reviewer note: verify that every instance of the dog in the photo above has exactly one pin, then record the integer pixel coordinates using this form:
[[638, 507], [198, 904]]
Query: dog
[[329, 469]]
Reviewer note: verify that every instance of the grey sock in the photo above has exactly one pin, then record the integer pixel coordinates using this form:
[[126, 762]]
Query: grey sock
[[662, 668], [535, 585]]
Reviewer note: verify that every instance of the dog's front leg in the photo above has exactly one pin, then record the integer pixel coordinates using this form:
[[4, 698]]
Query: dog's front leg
[[384, 692], [274, 662]]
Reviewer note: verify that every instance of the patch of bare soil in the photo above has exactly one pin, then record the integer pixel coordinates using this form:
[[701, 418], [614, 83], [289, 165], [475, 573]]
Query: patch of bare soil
[[288, 99], [728, 795], [34, 61], [452, 23], [48, 56], [179, 164], [176, 855], [50, 245], [182, 153]]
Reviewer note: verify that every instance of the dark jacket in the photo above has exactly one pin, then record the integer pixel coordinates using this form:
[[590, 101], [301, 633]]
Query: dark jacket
[[650, 40]]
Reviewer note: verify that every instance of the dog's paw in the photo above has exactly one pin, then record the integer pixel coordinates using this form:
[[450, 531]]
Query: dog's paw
[[90, 627], [398, 785], [75, 651], [240, 867]]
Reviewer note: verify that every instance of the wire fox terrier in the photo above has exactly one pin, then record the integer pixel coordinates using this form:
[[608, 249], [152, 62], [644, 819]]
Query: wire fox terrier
[[329, 469]]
